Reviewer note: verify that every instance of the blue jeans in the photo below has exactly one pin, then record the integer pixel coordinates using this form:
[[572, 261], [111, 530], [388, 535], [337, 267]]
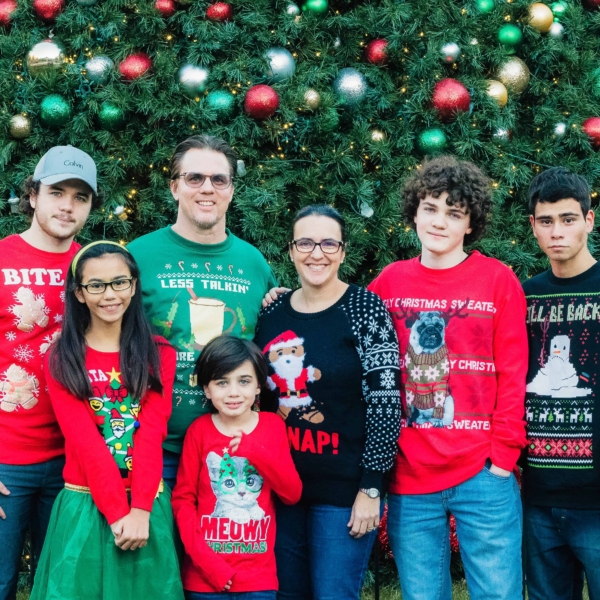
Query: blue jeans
[[317, 558], [489, 527], [170, 466], [234, 595], [555, 540], [33, 489]]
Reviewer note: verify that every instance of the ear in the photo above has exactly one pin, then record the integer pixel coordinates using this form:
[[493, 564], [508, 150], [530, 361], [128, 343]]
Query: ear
[[205, 387], [213, 462], [32, 199], [79, 295], [174, 184], [133, 286], [589, 221], [532, 222]]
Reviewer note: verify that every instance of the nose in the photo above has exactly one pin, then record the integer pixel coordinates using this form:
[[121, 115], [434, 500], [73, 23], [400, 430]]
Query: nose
[[109, 293], [556, 231], [439, 220], [207, 186], [66, 203], [317, 252]]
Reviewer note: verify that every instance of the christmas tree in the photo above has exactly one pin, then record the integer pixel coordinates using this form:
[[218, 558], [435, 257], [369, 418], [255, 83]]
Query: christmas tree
[[332, 102]]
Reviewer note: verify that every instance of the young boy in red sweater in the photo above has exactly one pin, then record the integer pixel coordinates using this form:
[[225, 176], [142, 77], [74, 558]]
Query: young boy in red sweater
[[33, 266], [460, 320], [234, 461]]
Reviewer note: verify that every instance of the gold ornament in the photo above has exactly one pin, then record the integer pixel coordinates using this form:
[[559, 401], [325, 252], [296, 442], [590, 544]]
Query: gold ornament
[[20, 127], [377, 135], [540, 17], [312, 99], [45, 57], [514, 74], [497, 91]]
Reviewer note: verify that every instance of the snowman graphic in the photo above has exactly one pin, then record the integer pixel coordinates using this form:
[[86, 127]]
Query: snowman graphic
[[558, 378]]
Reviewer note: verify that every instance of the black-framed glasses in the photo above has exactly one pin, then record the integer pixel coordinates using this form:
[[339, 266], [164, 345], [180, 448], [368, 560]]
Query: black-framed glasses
[[307, 245], [196, 180], [98, 287]]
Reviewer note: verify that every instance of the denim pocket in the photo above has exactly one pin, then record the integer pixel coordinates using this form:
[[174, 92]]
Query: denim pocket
[[501, 477]]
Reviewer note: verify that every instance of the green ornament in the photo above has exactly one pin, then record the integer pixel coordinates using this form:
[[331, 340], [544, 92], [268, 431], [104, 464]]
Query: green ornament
[[55, 111], [221, 102], [432, 140], [111, 116], [485, 6], [559, 9], [317, 7], [510, 36]]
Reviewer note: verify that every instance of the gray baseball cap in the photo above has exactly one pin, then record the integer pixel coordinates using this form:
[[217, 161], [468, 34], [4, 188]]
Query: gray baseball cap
[[66, 162]]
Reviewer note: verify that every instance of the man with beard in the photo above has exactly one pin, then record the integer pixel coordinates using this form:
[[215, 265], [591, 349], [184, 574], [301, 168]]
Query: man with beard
[[198, 279], [58, 198]]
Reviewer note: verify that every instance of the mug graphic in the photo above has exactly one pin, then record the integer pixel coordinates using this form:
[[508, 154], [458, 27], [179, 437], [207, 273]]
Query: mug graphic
[[207, 319]]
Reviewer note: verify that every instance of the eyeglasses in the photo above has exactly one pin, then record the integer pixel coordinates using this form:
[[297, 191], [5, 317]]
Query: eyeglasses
[[307, 245], [196, 180], [98, 287]]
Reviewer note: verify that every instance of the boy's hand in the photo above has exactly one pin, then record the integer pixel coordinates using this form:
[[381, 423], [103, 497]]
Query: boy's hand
[[227, 586]]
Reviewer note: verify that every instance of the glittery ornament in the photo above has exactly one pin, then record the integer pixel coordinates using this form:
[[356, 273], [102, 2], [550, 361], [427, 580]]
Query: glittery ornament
[[48, 10], [382, 534], [167, 8], [485, 6], [7, 8], [366, 210], [557, 31], [318, 7], [510, 36], [312, 99], [241, 168], [350, 86], [119, 210], [261, 101], [281, 64], [337, 42], [497, 91], [514, 74], [377, 135], [592, 127], [502, 136], [432, 141], [454, 547], [560, 129], [19, 127], [540, 17], [45, 57], [450, 52], [111, 116], [192, 79], [559, 9], [292, 9], [86, 2], [376, 52], [13, 202], [220, 11], [55, 111], [99, 68], [220, 101], [135, 65], [450, 97]]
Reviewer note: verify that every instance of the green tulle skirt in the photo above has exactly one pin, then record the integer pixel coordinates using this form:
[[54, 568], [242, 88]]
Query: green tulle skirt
[[80, 560]]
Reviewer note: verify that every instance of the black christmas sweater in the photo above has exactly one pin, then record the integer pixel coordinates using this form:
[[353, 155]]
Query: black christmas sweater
[[563, 321], [334, 379]]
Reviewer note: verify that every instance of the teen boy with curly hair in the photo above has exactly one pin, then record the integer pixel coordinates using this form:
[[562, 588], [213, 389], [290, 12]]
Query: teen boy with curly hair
[[460, 319]]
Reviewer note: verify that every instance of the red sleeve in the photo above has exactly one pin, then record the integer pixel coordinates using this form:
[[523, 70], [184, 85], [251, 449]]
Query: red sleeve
[[81, 433], [271, 457], [511, 360], [155, 410], [213, 568]]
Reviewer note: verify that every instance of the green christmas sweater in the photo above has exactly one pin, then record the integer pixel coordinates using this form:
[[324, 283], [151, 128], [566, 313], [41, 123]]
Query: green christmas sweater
[[192, 293]]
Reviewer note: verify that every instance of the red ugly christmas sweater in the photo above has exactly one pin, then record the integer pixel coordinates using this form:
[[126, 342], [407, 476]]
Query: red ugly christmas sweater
[[463, 357], [113, 442], [31, 309], [223, 505]]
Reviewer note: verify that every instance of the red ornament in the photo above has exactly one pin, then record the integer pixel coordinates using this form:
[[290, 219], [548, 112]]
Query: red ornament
[[450, 97], [220, 11], [376, 52], [592, 127], [135, 65], [261, 102], [382, 534], [48, 10], [7, 8], [166, 8]]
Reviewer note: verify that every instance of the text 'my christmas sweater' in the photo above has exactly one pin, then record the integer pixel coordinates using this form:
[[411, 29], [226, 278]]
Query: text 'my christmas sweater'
[[463, 349]]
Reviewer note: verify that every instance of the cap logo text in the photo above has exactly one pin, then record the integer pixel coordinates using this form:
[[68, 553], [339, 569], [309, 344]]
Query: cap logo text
[[72, 163]]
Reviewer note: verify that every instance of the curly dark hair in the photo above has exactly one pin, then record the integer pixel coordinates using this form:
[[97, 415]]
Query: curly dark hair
[[30, 185], [467, 187]]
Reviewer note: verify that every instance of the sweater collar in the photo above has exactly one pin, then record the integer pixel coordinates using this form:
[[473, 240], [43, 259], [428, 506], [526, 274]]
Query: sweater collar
[[211, 249]]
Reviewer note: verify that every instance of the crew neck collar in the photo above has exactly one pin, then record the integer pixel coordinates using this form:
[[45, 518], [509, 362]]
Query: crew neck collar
[[199, 247], [593, 271]]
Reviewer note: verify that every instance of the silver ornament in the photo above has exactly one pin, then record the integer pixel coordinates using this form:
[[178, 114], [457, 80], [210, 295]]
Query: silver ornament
[[99, 68], [560, 129], [501, 136], [193, 79], [350, 86], [119, 210], [557, 31], [86, 2], [45, 57], [312, 99], [474, 42], [20, 127], [281, 64], [337, 42], [13, 202], [241, 168], [292, 9], [377, 135], [366, 210], [450, 52]]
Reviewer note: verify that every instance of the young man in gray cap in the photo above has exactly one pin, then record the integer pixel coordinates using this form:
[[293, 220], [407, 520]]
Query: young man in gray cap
[[58, 198]]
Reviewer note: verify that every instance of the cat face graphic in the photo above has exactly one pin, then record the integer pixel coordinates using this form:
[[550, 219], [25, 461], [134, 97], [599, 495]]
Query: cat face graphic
[[238, 484]]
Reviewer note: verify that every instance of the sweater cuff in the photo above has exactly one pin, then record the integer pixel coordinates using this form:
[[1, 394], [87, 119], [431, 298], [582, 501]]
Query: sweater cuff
[[371, 479]]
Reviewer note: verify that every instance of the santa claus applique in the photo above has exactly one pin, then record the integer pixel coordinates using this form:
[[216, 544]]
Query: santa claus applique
[[286, 356]]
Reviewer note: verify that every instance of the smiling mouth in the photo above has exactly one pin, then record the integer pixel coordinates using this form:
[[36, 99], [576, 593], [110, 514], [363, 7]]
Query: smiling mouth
[[205, 203], [110, 307], [317, 268]]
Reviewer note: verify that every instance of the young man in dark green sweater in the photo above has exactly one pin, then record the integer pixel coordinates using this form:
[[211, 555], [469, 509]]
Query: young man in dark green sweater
[[198, 279], [561, 478]]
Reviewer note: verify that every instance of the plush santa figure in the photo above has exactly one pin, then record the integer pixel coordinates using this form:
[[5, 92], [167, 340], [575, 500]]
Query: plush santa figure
[[286, 356]]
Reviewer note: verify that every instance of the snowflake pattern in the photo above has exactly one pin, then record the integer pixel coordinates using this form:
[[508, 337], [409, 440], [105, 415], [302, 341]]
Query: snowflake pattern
[[432, 374], [439, 398], [62, 296], [179, 377], [11, 336], [168, 266], [192, 401], [58, 318], [410, 397], [445, 366], [194, 265], [416, 373], [219, 267], [241, 271], [23, 353], [373, 325], [387, 379]]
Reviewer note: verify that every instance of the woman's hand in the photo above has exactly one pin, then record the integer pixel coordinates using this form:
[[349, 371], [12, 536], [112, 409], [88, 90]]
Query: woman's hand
[[132, 531], [365, 515], [227, 586], [236, 438], [273, 294]]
